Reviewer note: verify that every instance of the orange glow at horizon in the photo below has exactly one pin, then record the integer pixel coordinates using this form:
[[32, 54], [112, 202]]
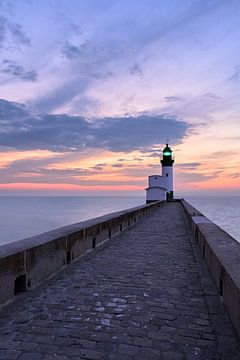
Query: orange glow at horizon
[[210, 174], [66, 187]]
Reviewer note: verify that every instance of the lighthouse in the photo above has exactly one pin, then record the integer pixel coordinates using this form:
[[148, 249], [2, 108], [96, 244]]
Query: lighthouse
[[160, 187], [167, 170]]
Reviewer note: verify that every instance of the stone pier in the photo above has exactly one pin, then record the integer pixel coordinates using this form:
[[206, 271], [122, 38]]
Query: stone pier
[[144, 294]]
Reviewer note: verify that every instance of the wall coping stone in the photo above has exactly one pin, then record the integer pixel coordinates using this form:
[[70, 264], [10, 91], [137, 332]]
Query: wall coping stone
[[200, 219]]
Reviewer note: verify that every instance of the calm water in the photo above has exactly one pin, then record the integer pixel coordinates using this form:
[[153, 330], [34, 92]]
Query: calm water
[[26, 216], [224, 211], [21, 217]]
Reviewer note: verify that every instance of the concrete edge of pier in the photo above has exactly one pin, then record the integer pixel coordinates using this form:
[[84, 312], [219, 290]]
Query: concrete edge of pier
[[26, 263], [221, 253]]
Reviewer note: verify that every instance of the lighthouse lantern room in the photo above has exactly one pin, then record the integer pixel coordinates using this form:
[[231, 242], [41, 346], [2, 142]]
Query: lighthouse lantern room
[[160, 187]]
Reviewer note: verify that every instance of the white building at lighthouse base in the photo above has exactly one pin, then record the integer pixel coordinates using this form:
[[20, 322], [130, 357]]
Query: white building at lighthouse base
[[157, 189], [160, 188]]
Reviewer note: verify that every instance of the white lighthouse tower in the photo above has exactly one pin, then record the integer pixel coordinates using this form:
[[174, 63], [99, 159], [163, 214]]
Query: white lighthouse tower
[[167, 170], [160, 187]]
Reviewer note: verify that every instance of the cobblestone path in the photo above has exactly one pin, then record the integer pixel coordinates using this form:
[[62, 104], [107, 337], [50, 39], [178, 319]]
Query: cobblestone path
[[145, 294]]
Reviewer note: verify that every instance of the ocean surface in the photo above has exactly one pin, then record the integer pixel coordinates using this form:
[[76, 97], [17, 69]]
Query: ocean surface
[[22, 217], [223, 210]]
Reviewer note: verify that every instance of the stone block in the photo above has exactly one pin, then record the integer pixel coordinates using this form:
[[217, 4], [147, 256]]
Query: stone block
[[44, 260]]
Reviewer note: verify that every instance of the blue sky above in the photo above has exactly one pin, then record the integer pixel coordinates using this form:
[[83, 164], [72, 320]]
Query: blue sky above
[[124, 76]]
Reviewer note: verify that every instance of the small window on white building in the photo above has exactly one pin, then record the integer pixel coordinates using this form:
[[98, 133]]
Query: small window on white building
[[166, 175]]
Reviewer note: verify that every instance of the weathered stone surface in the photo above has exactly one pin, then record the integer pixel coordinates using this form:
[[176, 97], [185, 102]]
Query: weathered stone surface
[[146, 294]]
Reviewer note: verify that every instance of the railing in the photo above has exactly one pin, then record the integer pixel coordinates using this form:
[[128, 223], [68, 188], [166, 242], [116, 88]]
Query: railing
[[24, 264], [222, 255]]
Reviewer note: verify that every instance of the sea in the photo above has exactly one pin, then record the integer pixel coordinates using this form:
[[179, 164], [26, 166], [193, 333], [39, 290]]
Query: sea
[[22, 217]]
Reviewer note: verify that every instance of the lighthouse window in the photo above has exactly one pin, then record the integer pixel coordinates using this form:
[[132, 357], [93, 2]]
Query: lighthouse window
[[166, 175]]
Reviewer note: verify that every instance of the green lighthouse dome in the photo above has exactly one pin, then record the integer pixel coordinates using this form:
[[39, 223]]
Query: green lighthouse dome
[[167, 158]]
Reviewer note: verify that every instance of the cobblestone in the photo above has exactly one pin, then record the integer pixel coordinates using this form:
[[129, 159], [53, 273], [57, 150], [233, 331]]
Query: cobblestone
[[139, 296]]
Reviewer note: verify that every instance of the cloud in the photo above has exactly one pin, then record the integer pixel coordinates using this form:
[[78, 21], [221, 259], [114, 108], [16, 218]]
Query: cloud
[[12, 30], [117, 42], [41, 170], [137, 159], [154, 154], [235, 175], [136, 133], [199, 109], [63, 94], [136, 69], [212, 96], [235, 77], [12, 68], [44, 171], [173, 98], [10, 112], [23, 130], [102, 164], [118, 38], [2, 29], [117, 165], [18, 34], [189, 166], [71, 51], [97, 168]]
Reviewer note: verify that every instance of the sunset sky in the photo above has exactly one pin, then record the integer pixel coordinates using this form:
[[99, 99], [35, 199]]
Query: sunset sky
[[92, 89]]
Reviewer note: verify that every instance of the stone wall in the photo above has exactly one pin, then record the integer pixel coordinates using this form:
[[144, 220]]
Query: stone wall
[[24, 264], [222, 255]]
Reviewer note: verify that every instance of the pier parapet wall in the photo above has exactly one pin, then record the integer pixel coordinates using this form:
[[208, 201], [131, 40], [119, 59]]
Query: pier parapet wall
[[221, 252], [24, 264]]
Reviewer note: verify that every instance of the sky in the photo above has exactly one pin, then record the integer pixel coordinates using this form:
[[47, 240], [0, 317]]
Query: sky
[[91, 90]]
